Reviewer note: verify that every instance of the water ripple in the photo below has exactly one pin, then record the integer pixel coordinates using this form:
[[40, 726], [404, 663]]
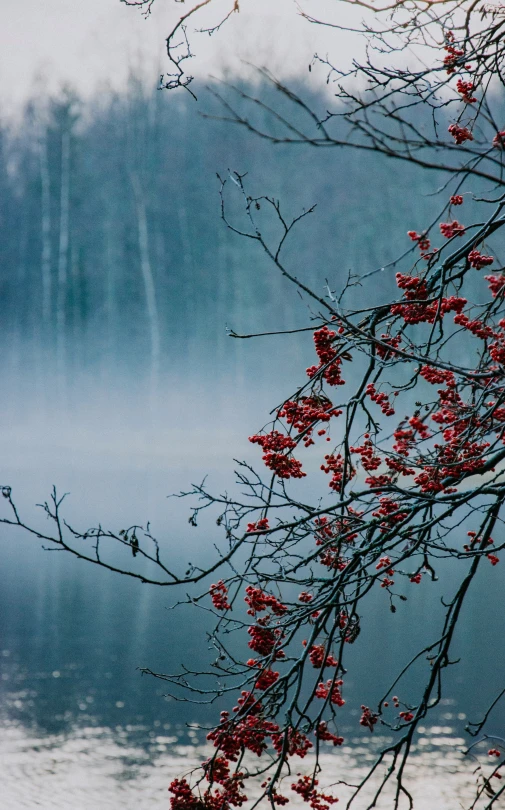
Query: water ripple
[[130, 768]]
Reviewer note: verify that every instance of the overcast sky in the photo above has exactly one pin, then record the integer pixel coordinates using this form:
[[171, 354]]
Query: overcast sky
[[94, 43]]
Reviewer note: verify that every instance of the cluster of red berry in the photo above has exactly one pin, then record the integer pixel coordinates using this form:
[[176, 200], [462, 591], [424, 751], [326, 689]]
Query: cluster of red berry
[[450, 229], [219, 596], [460, 134]]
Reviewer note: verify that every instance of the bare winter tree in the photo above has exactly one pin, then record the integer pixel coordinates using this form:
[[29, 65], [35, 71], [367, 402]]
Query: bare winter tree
[[408, 441]]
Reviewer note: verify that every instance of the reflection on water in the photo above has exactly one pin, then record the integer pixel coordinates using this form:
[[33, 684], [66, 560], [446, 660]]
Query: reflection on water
[[81, 761], [90, 767], [95, 768], [79, 727]]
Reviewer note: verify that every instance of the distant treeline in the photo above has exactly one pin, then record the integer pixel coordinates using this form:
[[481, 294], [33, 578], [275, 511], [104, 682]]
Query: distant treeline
[[113, 253]]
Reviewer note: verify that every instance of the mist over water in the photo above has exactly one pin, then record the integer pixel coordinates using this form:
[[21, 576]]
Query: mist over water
[[76, 715], [121, 386]]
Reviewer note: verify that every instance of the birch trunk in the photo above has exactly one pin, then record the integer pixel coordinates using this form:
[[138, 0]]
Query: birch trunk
[[149, 286], [111, 307], [63, 264], [46, 236], [78, 341]]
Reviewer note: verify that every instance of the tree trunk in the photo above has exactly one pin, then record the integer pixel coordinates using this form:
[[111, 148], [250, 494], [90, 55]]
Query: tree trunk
[[149, 286], [63, 265], [111, 306], [46, 237]]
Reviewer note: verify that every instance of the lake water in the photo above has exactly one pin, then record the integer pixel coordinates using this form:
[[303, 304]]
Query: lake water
[[130, 767], [79, 727]]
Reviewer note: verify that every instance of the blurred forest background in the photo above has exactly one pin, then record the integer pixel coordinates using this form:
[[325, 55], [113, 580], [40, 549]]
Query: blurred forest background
[[115, 258], [121, 385]]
